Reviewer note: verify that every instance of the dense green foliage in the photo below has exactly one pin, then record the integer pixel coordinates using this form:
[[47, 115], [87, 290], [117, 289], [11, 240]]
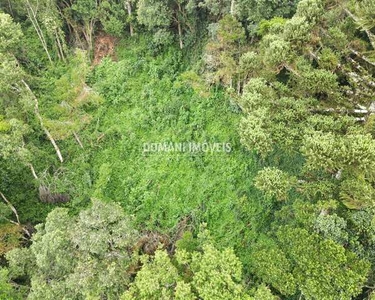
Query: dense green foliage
[[82, 257], [96, 200]]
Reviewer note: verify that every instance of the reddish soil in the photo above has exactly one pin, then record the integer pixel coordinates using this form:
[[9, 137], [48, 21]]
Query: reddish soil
[[104, 46]]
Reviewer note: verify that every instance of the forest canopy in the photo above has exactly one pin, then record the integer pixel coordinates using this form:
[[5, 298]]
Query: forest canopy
[[187, 149]]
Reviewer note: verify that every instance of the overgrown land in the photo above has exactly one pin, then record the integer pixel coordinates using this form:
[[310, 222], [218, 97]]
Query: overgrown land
[[88, 212]]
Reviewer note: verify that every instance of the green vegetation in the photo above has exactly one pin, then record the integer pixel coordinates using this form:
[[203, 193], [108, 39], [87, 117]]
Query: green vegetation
[[103, 196]]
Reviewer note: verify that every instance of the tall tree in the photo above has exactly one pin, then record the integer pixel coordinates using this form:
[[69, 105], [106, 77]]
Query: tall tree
[[206, 274], [305, 264], [157, 16], [32, 12], [308, 102], [64, 108], [223, 52], [86, 256], [313, 111], [15, 87]]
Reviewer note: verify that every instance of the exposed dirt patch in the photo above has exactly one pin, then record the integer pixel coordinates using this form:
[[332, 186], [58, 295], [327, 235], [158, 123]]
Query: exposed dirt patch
[[151, 241], [104, 46]]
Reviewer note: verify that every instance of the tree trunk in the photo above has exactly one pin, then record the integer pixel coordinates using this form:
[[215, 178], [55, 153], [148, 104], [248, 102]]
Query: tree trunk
[[46, 131], [232, 7], [10, 8], [370, 35], [180, 35], [179, 27], [10, 205], [77, 139], [239, 86], [32, 16], [129, 9], [33, 171], [59, 46], [361, 56], [87, 32]]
